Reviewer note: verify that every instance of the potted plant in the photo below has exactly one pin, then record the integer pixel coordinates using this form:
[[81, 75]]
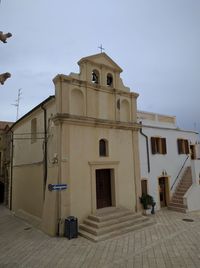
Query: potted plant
[[148, 204]]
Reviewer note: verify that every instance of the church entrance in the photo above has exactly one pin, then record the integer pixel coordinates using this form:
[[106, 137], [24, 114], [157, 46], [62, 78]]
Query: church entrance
[[103, 188]]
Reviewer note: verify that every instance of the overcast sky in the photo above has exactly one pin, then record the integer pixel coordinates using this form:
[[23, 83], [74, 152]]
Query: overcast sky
[[156, 43]]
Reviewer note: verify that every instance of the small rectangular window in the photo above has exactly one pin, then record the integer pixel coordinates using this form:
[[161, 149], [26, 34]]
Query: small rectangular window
[[33, 130], [158, 145], [183, 146]]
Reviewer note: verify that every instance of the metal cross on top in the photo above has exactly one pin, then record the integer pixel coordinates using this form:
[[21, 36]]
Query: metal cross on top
[[101, 48]]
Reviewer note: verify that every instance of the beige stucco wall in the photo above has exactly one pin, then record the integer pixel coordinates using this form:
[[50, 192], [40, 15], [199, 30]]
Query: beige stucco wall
[[28, 189], [28, 164], [84, 155], [79, 158], [49, 222]]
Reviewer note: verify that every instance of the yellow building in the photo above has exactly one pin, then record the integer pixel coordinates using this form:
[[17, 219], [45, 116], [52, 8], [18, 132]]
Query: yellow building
[[4, 161], [85, 137]]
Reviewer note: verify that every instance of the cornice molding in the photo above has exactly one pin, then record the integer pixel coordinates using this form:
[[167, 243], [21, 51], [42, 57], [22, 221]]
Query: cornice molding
[[94, 122]]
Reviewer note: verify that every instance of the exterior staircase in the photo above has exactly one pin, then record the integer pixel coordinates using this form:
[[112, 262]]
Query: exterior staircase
[[111, 222], [176, 202]]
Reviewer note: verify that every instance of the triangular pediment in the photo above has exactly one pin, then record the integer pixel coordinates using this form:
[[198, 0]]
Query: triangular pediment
[[101, 59]]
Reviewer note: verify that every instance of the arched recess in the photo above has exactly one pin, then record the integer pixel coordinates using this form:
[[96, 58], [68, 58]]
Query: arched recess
[[109, 80], [125, 111], [77, 102], [103, 147], [95, 76]]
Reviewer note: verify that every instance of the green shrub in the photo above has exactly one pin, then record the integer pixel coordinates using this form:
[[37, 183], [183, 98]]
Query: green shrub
[[146, 200]]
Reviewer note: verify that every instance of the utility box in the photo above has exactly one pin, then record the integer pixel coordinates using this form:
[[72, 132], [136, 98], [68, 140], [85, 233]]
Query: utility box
[[71, 227]]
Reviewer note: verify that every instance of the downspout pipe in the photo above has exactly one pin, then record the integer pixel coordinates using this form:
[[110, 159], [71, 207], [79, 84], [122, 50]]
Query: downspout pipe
[[11, 169], [147, 147], [45, 145]]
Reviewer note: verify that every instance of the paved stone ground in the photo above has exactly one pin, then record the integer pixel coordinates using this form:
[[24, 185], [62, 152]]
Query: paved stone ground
[[171, 242]]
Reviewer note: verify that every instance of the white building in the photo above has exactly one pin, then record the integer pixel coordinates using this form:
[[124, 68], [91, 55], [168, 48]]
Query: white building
[[166, 153]]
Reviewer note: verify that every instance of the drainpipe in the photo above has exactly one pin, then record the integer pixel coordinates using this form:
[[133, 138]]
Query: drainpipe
[[147, 147], [11, 170], [45, 146], [59, 215]]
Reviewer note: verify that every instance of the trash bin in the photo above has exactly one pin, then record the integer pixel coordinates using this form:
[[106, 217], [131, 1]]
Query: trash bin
[[71, 227]]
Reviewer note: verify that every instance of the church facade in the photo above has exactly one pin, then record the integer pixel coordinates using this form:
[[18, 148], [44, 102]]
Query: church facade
[[85, 138]]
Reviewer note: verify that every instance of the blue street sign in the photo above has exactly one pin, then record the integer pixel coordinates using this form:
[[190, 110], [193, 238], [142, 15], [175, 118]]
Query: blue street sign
[[57, 187]]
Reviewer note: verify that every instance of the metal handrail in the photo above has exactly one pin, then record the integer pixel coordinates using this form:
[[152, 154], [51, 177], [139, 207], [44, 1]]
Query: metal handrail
[[179, 172]]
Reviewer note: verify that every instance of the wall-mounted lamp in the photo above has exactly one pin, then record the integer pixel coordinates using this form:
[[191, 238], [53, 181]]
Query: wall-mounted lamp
[[164, 172]]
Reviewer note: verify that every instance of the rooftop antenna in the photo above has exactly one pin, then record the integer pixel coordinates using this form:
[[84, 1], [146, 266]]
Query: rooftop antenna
[[195, 126], [16, 104]]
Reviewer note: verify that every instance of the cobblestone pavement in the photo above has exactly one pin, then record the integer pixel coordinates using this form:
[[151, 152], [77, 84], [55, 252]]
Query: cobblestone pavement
[[171, 242]]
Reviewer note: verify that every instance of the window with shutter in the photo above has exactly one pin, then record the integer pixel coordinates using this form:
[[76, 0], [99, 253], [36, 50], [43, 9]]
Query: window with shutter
[[153, 145], [187, 147], [193, 151], [164, 146], [158, 145], [183, 146], [179, 143]]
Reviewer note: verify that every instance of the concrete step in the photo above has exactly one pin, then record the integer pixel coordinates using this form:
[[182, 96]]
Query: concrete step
[[177, 200], [179, 195], [117, 232], [187, 179], [109, 215], [184, 186], [111, 227], [173, 204], [101, 224], [177, 209], [180, 192]]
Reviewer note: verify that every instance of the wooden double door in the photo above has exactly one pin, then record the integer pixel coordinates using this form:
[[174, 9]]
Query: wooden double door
[[103, 188]]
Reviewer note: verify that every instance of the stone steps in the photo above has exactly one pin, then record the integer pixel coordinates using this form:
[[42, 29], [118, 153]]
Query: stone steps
[[176, 202], [184, 187], [178, 195], [106, 225], [176, 199], [180, 192]]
